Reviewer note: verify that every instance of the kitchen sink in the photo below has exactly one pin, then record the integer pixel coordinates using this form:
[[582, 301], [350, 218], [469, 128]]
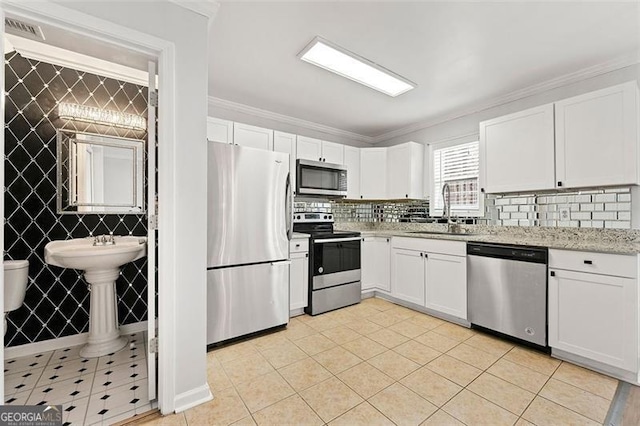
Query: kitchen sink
[[441, 233]]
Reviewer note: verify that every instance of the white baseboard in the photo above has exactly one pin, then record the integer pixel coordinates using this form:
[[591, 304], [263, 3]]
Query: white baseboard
[[296, 312], [193, 397], [64, 342]]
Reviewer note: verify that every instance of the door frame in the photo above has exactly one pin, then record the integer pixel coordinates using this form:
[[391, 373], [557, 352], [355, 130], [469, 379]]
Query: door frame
[[45, 11]]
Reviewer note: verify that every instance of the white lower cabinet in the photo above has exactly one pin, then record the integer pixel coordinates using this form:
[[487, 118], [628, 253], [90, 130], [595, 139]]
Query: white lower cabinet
[[447, 284], [430, 273], [594, 316], [408, 275], [299, 274], [375, 263]]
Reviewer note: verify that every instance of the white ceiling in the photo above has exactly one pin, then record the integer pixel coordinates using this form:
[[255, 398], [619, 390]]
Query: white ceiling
[[459, 54]]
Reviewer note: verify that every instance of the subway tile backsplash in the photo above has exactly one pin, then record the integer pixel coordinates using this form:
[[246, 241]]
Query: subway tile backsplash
[[601, 208], [595, 208]]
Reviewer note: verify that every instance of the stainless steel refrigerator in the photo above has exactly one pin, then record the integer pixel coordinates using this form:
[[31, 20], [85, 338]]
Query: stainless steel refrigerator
[[249, 228]]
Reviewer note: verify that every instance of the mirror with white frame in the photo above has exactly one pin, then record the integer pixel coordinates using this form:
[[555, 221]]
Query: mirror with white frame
[[99, 174]]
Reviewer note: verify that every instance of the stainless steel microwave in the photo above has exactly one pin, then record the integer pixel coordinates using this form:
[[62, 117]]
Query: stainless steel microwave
[[319, 179]]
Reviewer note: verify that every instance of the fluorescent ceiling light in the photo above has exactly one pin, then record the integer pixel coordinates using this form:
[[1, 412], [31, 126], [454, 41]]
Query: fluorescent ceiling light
[[331, 57]]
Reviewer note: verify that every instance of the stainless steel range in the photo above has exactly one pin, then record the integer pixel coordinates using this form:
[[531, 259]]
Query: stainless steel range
[[334, 263]]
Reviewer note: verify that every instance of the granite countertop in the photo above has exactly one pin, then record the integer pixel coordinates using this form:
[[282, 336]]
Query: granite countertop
[[594, 240]]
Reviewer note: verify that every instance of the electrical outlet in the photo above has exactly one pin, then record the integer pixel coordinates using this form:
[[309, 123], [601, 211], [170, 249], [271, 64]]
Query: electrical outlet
[[565, 213]]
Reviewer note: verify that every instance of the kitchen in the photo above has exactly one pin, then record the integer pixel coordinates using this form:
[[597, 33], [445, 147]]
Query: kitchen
[[426, 236]]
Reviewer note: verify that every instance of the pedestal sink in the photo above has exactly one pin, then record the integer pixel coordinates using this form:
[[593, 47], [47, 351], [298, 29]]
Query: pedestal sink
[[100, 258]]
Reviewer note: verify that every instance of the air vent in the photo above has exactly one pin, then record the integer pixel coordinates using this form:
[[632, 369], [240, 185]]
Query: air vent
[[23, 29]]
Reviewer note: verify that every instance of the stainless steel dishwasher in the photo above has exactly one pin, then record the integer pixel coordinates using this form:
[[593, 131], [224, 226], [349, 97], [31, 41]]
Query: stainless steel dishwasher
[[507, 290]]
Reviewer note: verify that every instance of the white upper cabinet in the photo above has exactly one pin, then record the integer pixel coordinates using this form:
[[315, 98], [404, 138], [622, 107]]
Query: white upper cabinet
[[597, 138], [286, 142], [332, 152], [319, 150], [252, 136], [352, 161], [405, 171], [517, 151], [373, 173], [589, 140], [219, 130], [309, 148]]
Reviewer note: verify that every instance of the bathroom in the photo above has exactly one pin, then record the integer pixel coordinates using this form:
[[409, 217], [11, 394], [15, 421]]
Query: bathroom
[[45, 333]]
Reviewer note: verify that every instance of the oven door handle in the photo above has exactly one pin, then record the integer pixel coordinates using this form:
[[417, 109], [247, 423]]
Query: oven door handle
[[336, 240]]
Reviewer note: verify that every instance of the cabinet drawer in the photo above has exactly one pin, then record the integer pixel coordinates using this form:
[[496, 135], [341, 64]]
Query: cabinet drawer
[[454, 248], [299, 246], [598, 263]]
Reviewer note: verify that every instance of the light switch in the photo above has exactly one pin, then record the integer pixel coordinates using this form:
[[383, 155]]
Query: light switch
[[565, 213]]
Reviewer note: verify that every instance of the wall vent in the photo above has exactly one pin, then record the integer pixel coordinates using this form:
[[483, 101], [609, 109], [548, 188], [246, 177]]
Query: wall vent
[[23, 29]]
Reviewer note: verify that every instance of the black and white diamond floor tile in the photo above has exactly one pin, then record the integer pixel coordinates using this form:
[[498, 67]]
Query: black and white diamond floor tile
[[113, 402], [61, 371], [128, 354], [134, 372], [17, 398], [31, 362], [63, 391], [20, 382], [121, 388]]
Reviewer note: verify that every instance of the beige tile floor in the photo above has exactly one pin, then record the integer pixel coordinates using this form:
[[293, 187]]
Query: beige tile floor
[[380, 363]]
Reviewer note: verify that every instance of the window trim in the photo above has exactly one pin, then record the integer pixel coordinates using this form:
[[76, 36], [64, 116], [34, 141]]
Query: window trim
[[479, 213]]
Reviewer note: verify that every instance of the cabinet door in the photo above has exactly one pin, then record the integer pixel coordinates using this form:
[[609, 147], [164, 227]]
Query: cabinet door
[[252, 136], [597, 138], [594, 316], [517, 151], [446, 278], [408, 275], [373, 173], [398, 171], [352, 161], [286, 142], [299, 281], [309, 149], [332, 152], [219, 130], [376, 262]]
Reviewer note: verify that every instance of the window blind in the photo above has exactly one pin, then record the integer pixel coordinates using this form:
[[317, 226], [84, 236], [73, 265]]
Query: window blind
[[459, 165]]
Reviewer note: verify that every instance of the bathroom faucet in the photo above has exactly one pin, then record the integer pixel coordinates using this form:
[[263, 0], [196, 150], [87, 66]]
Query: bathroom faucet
[[104, 240]]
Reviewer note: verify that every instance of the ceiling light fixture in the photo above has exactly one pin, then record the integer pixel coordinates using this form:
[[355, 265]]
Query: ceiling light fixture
[[101, 116], [338, 60]]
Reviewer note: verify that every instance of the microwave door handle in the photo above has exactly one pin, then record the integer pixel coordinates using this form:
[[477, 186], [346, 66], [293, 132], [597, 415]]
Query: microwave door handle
[[287, 208]]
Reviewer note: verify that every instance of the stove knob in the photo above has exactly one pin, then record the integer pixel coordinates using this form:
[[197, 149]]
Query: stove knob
[[330, 217], [325, 216], [298, 217]]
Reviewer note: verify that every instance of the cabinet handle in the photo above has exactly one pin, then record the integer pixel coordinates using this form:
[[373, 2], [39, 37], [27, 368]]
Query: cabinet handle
[[387, 239], [421, 254], [559, 183], [426, 256], [306, 255], [588, 262], [297, 245], [320, 159], [552, 273], [481, 189], [361, 196], [406, 195]]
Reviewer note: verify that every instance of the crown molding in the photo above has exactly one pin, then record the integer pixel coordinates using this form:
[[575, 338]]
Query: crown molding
[[285, 119], [57, 56], [207, 8], [570, 78]]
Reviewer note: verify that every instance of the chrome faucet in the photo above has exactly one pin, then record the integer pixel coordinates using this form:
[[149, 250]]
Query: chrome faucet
[[452, 225], [104, 240]]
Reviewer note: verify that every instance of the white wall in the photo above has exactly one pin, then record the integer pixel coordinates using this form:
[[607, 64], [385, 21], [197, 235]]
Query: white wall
[[188, 32], [241, 117], [469, 123]]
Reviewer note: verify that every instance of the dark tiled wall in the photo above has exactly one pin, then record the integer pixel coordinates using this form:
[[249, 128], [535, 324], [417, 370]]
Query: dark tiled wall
[[57, 300]]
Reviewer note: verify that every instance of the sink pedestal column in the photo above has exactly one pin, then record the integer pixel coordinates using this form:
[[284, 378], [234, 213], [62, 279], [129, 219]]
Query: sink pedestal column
[[104, 333]]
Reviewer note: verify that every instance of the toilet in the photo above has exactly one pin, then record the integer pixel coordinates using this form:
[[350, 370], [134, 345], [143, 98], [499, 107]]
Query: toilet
[[16, 275]]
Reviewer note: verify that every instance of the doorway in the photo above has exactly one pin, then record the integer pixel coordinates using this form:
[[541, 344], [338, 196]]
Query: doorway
[[45, 334]]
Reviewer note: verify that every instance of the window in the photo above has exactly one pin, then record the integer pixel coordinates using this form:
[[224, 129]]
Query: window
[[459, 166]]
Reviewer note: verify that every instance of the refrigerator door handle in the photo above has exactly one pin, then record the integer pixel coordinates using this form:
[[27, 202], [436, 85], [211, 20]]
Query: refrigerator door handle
[[287, 208]]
